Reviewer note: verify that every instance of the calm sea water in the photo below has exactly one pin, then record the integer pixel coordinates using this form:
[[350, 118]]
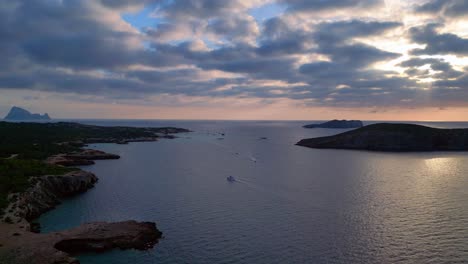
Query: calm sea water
[[289, 204]]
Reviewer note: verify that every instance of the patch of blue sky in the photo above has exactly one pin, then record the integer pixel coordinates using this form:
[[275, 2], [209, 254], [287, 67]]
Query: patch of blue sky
[[143, 18], [267, 11]]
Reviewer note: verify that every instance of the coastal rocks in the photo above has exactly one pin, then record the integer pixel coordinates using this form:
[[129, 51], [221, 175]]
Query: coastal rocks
[[91, 154], [394, 137], [341, 124], [98, 237], [84, 157], [59, 247], [121, 140], [45, 194], [62, 160]]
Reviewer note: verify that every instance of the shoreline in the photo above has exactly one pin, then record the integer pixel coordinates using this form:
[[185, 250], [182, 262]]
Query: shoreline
[[20, 239]]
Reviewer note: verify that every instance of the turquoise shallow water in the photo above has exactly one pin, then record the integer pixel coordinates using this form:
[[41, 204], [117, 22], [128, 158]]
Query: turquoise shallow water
[[289, 204]]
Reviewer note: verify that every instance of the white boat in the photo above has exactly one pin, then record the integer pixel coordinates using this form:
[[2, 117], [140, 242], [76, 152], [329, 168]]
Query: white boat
[[230, 179]]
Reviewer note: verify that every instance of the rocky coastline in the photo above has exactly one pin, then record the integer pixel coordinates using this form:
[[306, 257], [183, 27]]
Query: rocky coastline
[[80, 158], [46, 192], [20, 241], [20, 246]]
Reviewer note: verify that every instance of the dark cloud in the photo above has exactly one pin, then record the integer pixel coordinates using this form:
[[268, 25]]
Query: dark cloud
[[444, 69], [279, 38], [319, 5], [125, 3], [436, 43], [272, 69], [186, 9], [449, 8], [339, 31], [357, 55], [64, 34], [234, 28], [460, 85]]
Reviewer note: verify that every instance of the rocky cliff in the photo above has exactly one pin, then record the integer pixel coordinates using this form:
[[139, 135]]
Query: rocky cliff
[[45, 193], [18, 246]]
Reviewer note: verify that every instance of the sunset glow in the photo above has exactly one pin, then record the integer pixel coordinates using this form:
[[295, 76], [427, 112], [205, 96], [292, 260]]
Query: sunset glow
[[263, 59]]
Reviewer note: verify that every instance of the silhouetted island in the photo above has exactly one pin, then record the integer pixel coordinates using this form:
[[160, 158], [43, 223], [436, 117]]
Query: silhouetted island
[[19, 114], [394, 137], [337, 124]]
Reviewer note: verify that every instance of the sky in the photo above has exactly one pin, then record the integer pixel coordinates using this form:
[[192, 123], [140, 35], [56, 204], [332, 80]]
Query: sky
[[237, 59]]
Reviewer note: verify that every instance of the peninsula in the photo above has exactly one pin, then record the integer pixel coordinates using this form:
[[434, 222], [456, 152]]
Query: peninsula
[[35, 176], [394, 137], [20, 114], [341, 124]]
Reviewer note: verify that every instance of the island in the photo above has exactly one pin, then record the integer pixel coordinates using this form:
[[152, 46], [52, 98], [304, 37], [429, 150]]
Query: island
[[393, 137], [20, 114], [341, 124], [36, 173]]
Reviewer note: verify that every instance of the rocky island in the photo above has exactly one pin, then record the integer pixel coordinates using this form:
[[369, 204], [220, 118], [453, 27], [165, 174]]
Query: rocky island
[[394, 137], [20, 114], [35, 177], [341, 124]]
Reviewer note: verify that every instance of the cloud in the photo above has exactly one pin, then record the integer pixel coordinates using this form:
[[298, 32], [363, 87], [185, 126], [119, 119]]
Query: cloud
[[218, 49], [190, 9], [318, 5], [436, 43], [448, 8], [279, 38], [69, 33], [445, 70], [235, 28]]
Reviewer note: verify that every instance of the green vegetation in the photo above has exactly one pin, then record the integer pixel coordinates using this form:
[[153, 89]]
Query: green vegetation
[[41, 140], [15, 174], [23, 146]]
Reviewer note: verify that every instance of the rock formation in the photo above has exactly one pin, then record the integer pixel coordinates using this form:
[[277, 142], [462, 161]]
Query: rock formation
[[18, 113], [45, 193], [20, 246]]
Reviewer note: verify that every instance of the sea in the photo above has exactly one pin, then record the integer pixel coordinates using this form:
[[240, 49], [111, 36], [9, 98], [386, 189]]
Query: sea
[[288, 204]]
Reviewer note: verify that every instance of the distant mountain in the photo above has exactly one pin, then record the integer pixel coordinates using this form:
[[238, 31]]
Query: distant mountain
[[18, 113], [337, 124]]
